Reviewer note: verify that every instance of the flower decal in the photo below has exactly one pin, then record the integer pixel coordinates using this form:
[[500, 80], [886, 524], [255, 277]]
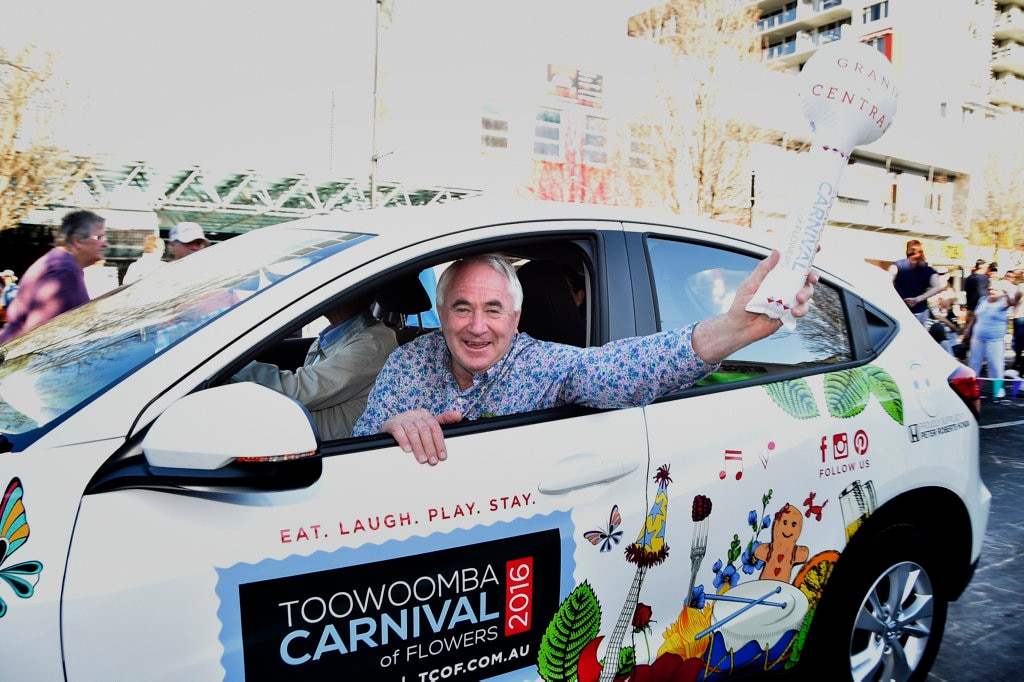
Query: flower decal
[[642, 618], [724, 577], [756, 523], [697, 598], [750, 563]]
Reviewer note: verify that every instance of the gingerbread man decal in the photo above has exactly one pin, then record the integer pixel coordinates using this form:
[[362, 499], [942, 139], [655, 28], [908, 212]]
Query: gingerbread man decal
[[782, 553]]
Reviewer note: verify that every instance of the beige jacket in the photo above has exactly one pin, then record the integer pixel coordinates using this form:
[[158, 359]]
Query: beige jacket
[[334, 381]]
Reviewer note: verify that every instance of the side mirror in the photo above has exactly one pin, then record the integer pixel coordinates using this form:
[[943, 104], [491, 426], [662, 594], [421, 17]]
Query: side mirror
[[241, 423]]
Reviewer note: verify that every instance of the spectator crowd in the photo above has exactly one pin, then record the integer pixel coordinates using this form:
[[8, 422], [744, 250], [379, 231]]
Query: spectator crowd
[[982, 324]]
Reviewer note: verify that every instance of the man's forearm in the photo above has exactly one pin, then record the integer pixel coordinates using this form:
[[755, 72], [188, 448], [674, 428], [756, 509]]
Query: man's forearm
[[717, 338]]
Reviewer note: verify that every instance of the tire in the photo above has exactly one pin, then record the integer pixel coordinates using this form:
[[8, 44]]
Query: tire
[[883, 612]]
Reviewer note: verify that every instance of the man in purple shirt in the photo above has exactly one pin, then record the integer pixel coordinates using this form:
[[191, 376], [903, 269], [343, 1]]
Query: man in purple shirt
[[55, 283], [480, 366]]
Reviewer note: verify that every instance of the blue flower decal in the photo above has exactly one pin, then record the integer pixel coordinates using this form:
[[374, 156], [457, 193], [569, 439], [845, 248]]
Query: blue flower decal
[[739, 560], [749, 561], [726, 575], [697, 599]]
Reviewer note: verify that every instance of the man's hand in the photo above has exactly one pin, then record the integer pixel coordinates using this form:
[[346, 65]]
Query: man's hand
[[719, 337], [419, 432]]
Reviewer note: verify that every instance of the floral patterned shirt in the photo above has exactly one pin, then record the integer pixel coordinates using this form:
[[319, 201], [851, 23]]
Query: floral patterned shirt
[[534, 375]]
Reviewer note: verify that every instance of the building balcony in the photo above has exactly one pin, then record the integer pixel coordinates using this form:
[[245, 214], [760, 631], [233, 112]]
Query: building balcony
[[877, 216], [800, 48], [1008, 90], [860, 213], [806, 16], [871, 214], [1009, 25], [1009, 58]]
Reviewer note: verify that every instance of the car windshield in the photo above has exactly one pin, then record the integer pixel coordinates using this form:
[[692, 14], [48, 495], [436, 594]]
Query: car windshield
[[53, 369]]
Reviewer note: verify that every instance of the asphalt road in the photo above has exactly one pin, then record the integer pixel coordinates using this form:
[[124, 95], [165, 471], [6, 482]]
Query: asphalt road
[[984, 637]]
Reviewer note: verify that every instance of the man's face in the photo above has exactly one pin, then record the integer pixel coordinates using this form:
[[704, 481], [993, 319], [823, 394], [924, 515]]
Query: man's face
[[916, 257], [477, 320], [180, 250]]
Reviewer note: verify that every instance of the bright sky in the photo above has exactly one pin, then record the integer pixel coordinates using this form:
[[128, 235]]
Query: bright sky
[[247, 83], [201, 80]]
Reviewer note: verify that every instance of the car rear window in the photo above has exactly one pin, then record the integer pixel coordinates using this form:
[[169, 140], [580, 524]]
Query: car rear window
[[693, 282]]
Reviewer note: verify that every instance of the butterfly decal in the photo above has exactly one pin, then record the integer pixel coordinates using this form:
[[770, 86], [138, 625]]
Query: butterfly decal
[[13, 534], [605, 538]]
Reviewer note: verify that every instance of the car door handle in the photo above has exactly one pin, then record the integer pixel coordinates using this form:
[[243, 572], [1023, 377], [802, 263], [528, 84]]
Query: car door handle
[[580, 471]]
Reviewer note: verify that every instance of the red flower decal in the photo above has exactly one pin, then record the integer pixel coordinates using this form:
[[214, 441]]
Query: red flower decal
[[642, 618]]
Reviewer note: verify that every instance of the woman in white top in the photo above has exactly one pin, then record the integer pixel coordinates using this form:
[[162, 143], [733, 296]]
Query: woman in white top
[[987, 329], [151, 259]]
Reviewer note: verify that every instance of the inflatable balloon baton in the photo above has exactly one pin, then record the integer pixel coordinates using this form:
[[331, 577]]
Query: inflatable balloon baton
[[849, 96]]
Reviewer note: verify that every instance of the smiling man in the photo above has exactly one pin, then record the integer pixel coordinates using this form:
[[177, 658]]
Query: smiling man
[[55, 283], [479, 365]]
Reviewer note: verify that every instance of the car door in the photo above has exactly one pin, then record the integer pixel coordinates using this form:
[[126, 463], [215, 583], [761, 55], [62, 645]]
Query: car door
[[383, 568], [758, 510], [380, 568]]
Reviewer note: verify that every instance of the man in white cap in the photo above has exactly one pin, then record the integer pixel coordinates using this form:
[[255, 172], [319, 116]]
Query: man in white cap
[[186, 238]]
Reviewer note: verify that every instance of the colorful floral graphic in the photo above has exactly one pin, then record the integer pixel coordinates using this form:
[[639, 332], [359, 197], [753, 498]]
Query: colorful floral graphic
[[726, 573], [720, 631], [559, 643], [642, 618], [642, 624]]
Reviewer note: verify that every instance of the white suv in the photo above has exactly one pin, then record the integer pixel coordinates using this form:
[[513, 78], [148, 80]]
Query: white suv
[[812, 506]]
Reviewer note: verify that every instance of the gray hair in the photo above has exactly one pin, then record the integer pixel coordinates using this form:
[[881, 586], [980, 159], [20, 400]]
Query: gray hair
[[491, 260], [79, 224]]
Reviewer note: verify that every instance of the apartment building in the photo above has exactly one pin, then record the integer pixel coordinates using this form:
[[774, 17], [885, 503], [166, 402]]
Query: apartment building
[[1007, 86], [959, 63]]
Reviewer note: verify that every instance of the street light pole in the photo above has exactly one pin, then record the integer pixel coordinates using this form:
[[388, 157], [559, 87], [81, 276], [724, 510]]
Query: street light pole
[[382, 6], [753, 180]]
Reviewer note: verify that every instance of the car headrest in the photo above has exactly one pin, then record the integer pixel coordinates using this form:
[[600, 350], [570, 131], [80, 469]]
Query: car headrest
[[405, 295], [549, 312]]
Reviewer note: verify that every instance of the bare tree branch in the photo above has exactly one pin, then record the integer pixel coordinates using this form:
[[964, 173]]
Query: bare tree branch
[[999, 205], [712, 40], [33, 172]]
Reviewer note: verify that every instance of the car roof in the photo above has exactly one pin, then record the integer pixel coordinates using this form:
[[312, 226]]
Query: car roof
[[423, 223], [438, 220]]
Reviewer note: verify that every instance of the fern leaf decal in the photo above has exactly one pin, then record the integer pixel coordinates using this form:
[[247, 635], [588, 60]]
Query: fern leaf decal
[[846, 393], [794, 397], [627, 662], [885, 388], [574, 625]]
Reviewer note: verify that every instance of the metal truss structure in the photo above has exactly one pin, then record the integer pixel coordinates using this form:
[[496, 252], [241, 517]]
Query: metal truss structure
[[232, 202]]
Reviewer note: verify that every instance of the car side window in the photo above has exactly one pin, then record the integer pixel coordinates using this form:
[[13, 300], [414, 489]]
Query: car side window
[[693, 282]]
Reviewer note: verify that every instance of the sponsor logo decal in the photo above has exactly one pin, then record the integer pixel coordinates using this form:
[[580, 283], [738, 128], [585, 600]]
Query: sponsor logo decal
[[468, 604]]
